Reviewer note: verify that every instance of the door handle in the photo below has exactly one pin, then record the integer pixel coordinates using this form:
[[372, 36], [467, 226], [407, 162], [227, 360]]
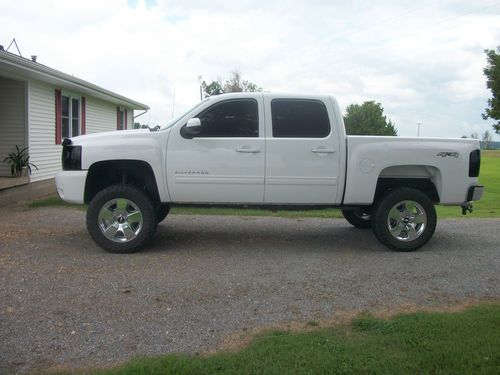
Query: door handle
[[320, 150], [248, 150]]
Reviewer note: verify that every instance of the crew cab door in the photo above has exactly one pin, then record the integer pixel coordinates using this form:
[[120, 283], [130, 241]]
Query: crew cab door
[[225, 162], [302, 151]]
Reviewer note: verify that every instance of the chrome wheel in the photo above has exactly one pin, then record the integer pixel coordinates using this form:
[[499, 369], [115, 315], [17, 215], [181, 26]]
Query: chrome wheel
[[407, 220], [120, 220]]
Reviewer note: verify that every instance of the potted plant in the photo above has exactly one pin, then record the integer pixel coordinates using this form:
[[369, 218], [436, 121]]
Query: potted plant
[[19, 162]]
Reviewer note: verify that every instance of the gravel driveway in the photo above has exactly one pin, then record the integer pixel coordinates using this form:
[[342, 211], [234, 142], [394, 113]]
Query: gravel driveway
[[65, 303]]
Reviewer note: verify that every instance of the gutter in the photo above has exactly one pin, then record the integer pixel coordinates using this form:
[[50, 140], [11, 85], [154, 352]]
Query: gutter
[[65, 79]]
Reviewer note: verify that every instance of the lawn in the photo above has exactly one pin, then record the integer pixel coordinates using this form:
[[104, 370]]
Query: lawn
[[466, 342], [487, 207]]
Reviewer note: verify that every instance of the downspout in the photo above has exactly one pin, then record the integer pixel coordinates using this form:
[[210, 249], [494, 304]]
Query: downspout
[[140, 114]]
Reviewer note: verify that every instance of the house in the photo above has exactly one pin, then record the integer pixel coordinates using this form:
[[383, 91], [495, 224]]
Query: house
[[40, 106]]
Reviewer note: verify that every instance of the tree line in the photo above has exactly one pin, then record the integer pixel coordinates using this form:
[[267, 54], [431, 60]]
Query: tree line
[[360, 119]]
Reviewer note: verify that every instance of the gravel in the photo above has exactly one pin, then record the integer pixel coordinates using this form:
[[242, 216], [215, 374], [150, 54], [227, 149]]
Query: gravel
[[65, 303]]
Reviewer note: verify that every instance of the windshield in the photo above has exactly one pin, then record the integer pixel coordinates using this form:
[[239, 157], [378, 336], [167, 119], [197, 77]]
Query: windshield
[[173, 121]]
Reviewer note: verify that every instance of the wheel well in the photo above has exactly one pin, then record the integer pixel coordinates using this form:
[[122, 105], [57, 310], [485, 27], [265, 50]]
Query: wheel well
[[425, 185], [133, 172]]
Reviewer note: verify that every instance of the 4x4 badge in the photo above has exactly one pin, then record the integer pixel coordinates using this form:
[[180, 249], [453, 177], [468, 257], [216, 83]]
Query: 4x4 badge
[[444, 154]]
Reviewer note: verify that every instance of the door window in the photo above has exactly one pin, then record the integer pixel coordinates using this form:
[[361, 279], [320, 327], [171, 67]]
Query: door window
[[299, 118], [231, 118]]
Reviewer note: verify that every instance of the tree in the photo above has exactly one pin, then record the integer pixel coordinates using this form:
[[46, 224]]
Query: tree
[[492, 73], [233, 84], [474, 135], [368, 119], [487, 138]]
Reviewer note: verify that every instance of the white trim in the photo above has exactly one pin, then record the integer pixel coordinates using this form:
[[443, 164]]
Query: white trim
[[71, 96], [27, 98], [27, 68]]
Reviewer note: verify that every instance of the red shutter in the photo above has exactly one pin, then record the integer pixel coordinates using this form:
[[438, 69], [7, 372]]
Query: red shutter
[[125, 127], [58, 117], [84, 115], [117, 118]]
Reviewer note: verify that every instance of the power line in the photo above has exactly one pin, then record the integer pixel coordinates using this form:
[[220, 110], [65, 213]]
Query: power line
[[307, 67]]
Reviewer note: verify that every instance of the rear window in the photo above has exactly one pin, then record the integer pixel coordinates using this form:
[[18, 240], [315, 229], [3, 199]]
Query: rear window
[[299, 118]]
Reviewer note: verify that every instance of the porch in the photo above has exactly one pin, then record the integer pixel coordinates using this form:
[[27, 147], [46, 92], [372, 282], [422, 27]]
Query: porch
[[15, 190], [10, 182]]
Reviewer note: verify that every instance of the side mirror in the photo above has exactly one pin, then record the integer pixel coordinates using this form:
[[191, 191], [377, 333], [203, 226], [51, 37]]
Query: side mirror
[[191, 129]]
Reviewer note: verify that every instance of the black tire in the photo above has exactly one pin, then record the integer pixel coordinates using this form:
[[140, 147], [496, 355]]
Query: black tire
[[128, 201], [162, 212], [413, 219], [359, 217]]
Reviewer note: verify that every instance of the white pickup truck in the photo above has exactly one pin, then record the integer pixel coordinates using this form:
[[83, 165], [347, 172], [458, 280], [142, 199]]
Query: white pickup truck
[[262, 149]]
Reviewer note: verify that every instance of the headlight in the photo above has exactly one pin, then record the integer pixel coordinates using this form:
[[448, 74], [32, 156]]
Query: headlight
[[72, 158]]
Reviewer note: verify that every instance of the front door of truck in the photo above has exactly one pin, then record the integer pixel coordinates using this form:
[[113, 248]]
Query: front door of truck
[[302, 151], [224, 163]]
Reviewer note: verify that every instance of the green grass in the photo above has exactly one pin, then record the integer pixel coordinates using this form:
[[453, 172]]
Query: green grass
[[325, 213], [466, 342], [487, 207], [54, 201]]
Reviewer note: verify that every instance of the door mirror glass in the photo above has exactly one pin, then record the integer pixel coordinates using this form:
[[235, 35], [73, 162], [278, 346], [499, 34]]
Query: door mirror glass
[[193, 122], [191, 129]]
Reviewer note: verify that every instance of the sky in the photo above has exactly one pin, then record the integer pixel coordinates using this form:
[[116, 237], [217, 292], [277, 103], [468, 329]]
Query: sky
[[422, 60]]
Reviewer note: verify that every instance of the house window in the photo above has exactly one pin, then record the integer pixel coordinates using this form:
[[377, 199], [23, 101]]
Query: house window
[[70, 116], [121, 118]]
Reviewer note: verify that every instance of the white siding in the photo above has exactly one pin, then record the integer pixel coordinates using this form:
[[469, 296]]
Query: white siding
[[12, 122], [44, 152], [101, 116]]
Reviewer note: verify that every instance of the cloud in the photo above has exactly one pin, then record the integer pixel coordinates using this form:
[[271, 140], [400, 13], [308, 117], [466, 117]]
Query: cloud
[[422, 60]]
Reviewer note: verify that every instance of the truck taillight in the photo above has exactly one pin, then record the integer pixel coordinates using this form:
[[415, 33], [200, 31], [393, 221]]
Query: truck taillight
[[474, 163], [72, 158]]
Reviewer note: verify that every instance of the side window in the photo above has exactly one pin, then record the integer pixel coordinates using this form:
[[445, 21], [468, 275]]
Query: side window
[[231, 118], [299, 118]]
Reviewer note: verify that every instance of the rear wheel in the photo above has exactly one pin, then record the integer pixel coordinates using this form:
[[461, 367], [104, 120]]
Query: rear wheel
[[121, 218], [359, 217], [404, 220]]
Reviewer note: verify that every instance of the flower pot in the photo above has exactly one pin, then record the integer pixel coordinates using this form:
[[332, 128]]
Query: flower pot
[[24, 172]]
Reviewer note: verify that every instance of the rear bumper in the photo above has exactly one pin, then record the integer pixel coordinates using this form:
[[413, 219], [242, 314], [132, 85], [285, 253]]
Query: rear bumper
[[475, 193], [71, 186]]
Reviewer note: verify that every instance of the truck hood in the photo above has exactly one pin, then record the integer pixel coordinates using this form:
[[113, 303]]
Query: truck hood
[[122, 135]]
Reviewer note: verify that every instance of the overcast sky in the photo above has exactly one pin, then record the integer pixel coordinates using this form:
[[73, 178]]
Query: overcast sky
[[422, 60]]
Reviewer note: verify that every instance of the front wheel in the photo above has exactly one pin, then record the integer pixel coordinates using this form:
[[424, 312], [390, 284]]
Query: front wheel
[[121, 218], [162, 212], [404, 220]]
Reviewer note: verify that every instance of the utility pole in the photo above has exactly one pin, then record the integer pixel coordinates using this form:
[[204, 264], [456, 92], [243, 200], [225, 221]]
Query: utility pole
[[173, 104], [200, 84], [418, 131]]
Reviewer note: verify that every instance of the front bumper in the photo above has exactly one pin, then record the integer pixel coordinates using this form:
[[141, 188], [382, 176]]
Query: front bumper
[[475, 193], [71, 186]]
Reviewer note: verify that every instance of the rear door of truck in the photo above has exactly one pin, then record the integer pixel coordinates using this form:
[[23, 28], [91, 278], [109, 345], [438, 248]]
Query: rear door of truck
[[303, 150]]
